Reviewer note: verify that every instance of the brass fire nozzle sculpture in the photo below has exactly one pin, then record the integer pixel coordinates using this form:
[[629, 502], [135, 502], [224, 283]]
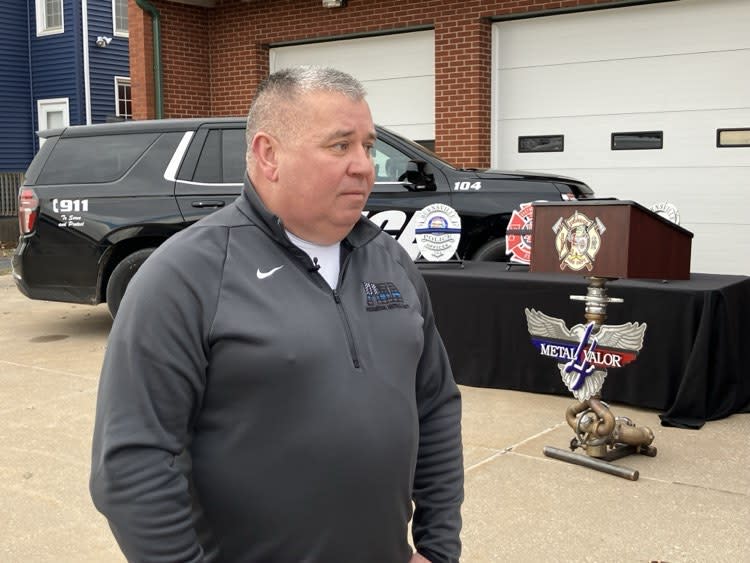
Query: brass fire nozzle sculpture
[[584, 354]]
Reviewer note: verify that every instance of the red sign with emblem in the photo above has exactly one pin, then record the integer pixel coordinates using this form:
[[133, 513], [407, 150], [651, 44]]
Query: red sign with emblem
[[518, 234]]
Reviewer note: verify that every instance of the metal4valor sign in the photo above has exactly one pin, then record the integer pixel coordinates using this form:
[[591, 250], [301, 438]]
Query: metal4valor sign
[[584, 355]]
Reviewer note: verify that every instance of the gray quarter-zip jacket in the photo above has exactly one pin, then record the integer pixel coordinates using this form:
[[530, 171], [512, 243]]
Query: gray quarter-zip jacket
[[249, 413]]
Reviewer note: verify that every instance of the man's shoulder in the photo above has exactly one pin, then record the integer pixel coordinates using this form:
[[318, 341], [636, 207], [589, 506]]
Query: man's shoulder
[[213, 228], [228, 217], [204, 243]]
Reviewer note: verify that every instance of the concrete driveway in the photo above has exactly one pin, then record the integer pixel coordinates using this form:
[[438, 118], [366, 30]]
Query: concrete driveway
[[691, 503]]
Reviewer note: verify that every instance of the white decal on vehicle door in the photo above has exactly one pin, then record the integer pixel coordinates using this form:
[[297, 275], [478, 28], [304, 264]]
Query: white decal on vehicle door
[[393, 222]]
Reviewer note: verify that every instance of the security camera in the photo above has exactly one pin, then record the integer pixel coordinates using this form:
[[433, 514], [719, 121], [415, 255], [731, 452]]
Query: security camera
[[102, 41]]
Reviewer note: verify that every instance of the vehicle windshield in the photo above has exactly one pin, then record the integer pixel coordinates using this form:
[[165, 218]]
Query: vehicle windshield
[[417, 147]]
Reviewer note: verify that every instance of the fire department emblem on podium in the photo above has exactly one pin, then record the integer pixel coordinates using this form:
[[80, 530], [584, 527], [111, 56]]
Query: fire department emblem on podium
[[578, 240]]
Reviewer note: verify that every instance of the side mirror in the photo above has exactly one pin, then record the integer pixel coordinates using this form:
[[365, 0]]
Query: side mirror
[[415, 178]]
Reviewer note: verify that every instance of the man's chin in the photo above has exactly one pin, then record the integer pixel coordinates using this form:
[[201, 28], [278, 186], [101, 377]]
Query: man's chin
[[346, 221]]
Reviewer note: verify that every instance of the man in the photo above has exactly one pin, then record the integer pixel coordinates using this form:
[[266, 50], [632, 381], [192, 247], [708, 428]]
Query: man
[[274, 387]]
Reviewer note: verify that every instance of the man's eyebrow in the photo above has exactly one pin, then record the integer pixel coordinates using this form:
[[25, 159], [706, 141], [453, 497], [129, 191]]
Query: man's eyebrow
[[338, 134]]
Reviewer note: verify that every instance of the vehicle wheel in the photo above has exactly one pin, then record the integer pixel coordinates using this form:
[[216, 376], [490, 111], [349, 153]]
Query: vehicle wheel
[[121, 276], [491, 251]]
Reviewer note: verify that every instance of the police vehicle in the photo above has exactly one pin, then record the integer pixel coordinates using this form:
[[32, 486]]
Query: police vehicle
[[98, 199]]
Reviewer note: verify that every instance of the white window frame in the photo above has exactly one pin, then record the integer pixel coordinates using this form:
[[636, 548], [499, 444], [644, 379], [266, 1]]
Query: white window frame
[[41, 19], [43, 107], [122, 80], [115, 31]]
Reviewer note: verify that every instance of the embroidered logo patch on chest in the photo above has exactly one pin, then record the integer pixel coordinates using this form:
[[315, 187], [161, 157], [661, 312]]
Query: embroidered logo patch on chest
[[381, 296]]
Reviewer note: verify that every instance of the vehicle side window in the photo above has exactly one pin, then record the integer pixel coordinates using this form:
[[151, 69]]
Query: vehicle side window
[[390, 163], [208, 169], [222, 159], [233, 155], [91, 160]]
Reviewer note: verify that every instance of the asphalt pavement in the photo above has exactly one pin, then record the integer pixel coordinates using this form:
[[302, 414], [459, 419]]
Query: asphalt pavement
[[690, 504]]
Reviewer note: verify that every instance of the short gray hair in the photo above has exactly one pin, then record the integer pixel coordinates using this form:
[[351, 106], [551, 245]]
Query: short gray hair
[[283, 88]]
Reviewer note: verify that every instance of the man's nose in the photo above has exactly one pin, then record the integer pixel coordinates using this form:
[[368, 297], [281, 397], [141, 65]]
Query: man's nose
[[361, 163]]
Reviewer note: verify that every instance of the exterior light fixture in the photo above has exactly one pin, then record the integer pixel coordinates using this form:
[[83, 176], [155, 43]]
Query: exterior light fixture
[[334, 3]]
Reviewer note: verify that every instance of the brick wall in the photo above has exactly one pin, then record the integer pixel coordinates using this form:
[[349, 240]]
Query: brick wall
[[214, 58], [140, 48]]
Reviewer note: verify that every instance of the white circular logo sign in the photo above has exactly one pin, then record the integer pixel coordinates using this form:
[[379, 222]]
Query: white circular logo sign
[[438, 231], [667, 210]]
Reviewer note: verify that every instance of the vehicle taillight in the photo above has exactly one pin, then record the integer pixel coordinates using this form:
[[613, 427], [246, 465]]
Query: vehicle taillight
[[28, 210]]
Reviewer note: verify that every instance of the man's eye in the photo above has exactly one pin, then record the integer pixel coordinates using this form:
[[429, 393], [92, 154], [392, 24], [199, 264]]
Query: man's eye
[[341, 146], [370, 150]]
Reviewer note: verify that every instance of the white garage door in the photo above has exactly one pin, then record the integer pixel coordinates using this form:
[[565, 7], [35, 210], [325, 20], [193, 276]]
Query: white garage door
[[675, 72], [398, 72]]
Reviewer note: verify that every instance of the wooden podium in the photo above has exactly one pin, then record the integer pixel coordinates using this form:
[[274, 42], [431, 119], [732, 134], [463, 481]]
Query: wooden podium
[[608, 239]]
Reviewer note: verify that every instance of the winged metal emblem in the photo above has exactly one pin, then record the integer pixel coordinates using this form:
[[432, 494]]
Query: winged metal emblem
[[585, 352]]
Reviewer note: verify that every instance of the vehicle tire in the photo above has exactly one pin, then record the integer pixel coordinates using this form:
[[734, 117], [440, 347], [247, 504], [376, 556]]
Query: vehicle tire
[[121, 276], [491, 251]]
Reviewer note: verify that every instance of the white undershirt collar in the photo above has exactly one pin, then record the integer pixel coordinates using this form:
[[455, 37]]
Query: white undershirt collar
[[327, 257]]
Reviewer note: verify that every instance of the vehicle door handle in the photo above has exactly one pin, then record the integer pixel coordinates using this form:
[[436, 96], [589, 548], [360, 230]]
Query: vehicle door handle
[[208, 203]]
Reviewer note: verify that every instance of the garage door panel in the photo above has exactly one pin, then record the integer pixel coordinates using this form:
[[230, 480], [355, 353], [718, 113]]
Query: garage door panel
[[570, 38], [629, 86], [710, 203], [676, 67], [689, 140], [721, 250], [398, 72], [708, 199], [388, 56], [395, 105]]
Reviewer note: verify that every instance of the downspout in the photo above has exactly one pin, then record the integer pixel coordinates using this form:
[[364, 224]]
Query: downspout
[[31, 79], [78, 70], [146, 6], [86, 66]]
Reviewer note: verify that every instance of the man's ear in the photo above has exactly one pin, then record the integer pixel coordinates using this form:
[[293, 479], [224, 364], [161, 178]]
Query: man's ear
[[265, 152]]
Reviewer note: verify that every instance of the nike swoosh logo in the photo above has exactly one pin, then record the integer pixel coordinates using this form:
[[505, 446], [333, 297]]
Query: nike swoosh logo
[[264, 275]]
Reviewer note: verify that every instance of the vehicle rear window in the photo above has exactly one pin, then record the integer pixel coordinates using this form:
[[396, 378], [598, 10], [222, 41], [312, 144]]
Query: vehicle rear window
[[89, 160], [38, 163]]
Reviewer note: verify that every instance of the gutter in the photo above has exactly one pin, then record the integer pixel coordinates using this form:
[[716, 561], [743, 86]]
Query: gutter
[[146, 6]]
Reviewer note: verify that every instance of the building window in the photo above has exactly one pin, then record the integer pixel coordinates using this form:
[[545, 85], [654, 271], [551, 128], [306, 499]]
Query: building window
[[52, 114], [123, 99], [733, 137], [541, 143], [120, 17], [637, 140], [49, 17]]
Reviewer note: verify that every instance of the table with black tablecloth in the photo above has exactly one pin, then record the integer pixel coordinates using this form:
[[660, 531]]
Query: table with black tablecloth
[[693, 366]]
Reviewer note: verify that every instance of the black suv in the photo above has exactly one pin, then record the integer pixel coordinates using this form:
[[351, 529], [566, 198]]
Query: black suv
[[98, 199]]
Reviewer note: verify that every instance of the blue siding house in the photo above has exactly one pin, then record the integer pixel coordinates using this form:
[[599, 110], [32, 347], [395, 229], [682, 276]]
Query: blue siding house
[[64, 62]]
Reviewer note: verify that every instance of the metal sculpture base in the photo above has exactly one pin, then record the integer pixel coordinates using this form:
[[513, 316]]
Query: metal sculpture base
[[601, 435]]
